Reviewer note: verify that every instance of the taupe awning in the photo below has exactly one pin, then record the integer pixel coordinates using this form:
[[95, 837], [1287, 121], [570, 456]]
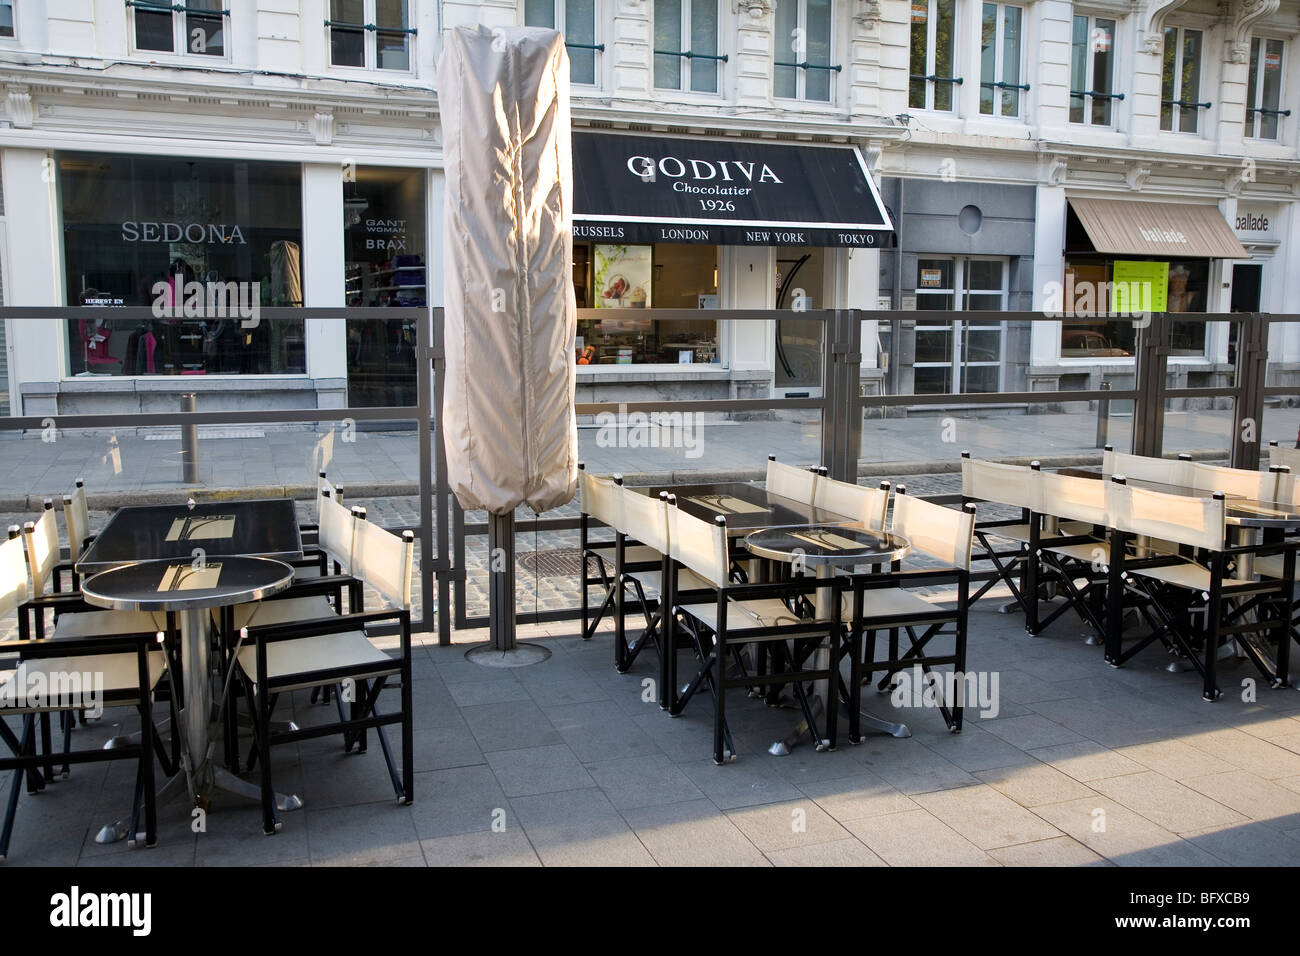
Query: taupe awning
[[1157, 229]]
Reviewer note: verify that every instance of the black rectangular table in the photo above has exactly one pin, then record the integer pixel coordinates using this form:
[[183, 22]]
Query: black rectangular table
[[747, 507], [264, 528]]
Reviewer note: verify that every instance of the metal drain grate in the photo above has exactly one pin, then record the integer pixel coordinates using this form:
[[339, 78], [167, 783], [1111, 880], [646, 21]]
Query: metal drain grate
[[554, 563]]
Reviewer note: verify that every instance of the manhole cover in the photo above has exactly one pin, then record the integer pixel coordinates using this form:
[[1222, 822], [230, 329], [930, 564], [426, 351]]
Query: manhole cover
[[554, 563]]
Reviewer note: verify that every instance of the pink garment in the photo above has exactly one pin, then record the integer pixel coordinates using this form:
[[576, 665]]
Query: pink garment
[[150, 345]]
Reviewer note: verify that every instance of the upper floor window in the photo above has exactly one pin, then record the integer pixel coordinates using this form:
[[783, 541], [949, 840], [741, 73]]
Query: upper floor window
[[1264, 89], [686, 45], [931, 66], [576, 19], [372, 34], [1092, 71], [1180, 81], [194, 27], [803, 43], [1000, 86], [6, 18]]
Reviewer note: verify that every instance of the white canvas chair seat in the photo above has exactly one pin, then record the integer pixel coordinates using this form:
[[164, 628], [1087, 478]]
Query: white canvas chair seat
[[883, 604], [1270, 566], [283, 611], [1187, 575], [108, 623], [1087, 551], [1020, 532], [309, 656], [650, 581], [640, 554], [121, 681], [751, 615]]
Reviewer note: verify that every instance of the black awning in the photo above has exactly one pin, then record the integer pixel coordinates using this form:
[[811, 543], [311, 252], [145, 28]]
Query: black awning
[[644, 189]]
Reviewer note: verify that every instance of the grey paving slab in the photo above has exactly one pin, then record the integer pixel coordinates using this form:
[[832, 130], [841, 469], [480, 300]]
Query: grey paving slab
[[642, 781], [1166, 802], [363, 834], [510, 725], [456, 801], [854, 798], [1250, 844], [599, 730], [1033, 785], [985, 817], [579, 828], [533, 770], [758, 781], [1058, 851], [1251, 796], [485, 848], [846, 852], [1122, 836], [1087, 760], [783, 826], [917, 838], [693, 833]]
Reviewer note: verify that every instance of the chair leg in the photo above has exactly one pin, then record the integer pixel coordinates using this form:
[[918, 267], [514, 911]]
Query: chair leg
[[719, 707], [270, 822], [146, 767], [47, 746], [15, 789]]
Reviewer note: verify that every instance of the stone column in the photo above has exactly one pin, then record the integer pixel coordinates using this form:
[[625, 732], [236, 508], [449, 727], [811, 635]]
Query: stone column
[[754, 46]]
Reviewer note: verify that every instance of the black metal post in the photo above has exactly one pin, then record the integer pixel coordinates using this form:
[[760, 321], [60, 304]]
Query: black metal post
[[501, 580], [1103, 417], [189, 441]]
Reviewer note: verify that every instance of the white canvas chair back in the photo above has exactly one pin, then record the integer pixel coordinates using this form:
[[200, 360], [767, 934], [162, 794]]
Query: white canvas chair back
[[699, 545], [941, 533], [1074, 499], [1280, 456], [1199, 522], [13, 574], [383, 560], [1287, 488], [335, 533], [1165, 471], [797, 484], [76, 518], [600, 498], [867, 505], [324, 489], [1238, 482], [998, 483], [643, 518], [42, 538]]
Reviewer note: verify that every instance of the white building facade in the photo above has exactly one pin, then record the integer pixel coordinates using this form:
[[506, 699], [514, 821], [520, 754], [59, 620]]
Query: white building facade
[[293, 147]]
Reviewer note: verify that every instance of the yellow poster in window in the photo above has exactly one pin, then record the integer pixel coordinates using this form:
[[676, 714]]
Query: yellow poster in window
[[1139, 287]]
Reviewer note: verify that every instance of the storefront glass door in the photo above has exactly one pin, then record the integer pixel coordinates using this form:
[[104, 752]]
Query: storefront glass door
[[964, 355]]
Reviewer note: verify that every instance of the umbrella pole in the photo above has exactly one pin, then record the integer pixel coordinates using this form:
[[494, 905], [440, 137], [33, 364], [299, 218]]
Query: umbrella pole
[[501, 580]]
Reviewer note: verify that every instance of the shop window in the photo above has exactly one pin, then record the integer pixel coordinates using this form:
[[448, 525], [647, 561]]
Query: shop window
[[576, 19], [372, 34], [1180, 82], [626, 280], [383, 238], [932, 76], [196, 27], [801, 287], [1000, 43], [803, 45], [205, 242], [1089, 296], [1264, 89], [962, 355], [6, 18], [686, 45], [1092, 71]]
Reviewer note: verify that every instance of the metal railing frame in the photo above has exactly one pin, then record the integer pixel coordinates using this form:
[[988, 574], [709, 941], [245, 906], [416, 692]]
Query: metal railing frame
[[841, 407]]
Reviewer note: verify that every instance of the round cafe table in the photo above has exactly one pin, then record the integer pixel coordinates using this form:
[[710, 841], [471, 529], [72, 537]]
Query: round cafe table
[[824, 548], [190, 590]]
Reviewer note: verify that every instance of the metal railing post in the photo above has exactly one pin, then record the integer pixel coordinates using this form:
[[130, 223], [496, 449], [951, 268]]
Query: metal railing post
[[1103, 417], [1248, 403], [1152, 369], [189, 441]]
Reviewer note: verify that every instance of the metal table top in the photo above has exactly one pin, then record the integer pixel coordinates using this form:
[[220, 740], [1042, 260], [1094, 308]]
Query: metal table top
[[265, 528], [827, 545], [746, 506], [163, 585]]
